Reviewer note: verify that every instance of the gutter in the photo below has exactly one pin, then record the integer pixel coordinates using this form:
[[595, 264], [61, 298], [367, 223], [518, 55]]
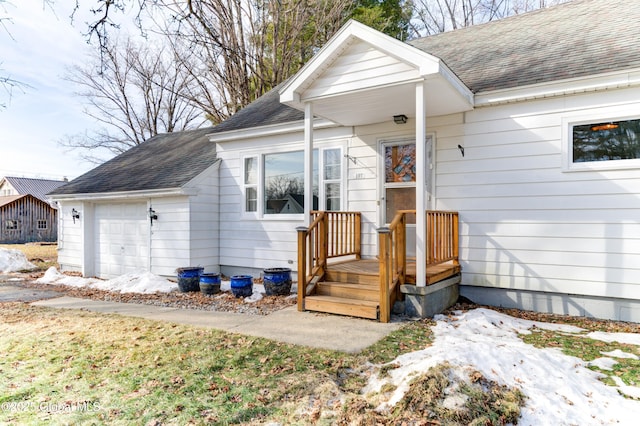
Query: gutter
[[124, 195], [273, 129], [607, 81]]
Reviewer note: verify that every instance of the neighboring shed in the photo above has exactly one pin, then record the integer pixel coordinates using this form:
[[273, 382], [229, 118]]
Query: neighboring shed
[[39, 188], [26, 219]]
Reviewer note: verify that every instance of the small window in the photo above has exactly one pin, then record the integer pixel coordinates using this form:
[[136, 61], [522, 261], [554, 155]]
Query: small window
[[601, 143], [251, 184], [332, 178], [11, 224], [606, 141], [42, 224]]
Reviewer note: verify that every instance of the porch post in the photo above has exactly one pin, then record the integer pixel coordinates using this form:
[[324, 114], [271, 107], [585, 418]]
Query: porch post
[[308, 162], [421, 186]]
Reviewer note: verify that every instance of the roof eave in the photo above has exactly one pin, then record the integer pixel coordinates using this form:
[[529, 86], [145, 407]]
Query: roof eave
[[123, 195], [592, 83], [270, 130]]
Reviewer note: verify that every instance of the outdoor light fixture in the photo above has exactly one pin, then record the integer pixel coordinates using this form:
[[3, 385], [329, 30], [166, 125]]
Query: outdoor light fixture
[[75, 214], [349, 157], [400, 119], [152, 215], [461, 148]]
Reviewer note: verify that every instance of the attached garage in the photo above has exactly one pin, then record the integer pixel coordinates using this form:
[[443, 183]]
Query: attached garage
[[122, 233], [105, 219]]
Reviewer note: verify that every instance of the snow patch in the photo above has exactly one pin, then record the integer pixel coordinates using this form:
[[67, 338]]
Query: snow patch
[[560, 389], [12, 260], [629, 338], [143, 282], [620, 354]]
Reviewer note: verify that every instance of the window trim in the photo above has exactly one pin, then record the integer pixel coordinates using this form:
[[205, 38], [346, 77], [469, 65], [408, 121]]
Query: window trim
[[567, 144], [46, 224], [257, 158], [15, 225], [319, 148]]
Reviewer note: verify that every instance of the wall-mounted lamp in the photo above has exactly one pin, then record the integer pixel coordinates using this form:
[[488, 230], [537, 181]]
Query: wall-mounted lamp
[[75, 215], [461, 148], [152, 215], [349, 157], [400, 119]]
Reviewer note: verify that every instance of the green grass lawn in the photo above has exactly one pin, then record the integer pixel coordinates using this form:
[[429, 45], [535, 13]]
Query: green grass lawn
[[76, 367]]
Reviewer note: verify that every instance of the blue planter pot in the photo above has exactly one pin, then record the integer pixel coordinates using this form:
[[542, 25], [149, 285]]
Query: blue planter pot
[[242, 285], [210, 283], [189, 278], [277, 281]]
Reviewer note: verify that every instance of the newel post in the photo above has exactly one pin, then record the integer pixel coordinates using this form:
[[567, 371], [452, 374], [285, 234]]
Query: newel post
[[384, 237], [302, 265]]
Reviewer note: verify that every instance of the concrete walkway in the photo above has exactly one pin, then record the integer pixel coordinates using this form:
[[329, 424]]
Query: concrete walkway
[[323, 331]]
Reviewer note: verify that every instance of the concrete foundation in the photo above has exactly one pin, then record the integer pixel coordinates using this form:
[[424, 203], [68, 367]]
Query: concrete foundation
[[425, 302], [555, 303]]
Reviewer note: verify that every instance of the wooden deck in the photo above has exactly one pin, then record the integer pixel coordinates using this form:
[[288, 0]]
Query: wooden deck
[[353, 287], [435, 273], [368, 288]]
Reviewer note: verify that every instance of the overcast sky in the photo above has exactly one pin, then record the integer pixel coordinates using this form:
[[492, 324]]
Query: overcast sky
[[40, 45]]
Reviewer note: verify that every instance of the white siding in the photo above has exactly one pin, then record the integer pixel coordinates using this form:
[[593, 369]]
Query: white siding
[[70, 246], [170, 245], [360, 66], [204, 221], [526, 224]]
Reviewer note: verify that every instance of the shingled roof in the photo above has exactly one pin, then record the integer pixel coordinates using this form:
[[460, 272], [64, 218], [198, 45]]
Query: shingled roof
[[574, 39], [165, 161]]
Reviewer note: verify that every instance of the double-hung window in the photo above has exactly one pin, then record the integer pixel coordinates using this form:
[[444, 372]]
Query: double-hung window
[[250, 172], [332, 178]]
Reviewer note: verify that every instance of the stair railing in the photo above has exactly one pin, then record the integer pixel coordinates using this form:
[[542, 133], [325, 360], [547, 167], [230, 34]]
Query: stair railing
[[442, 237], [393, 261], [330, 235]]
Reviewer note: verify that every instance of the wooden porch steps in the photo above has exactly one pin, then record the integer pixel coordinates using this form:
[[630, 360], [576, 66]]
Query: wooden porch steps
[[348, 291], [349, 288], [342, 306]]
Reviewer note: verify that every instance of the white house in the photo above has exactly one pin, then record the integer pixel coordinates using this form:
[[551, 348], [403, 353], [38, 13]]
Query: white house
[[528, 128]]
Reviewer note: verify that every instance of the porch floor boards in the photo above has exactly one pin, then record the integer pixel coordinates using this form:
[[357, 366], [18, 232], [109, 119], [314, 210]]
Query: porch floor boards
[[435, 273], [352, 287]]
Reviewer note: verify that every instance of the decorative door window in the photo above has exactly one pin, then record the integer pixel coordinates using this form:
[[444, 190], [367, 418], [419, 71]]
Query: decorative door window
[[400, 179]]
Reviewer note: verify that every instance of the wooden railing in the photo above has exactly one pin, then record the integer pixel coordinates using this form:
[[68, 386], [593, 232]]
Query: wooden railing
[[393, 261], [330, 235], [442, 237], [442, 246]]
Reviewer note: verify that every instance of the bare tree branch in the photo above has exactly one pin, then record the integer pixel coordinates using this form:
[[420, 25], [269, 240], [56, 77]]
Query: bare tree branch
[[134, 92]]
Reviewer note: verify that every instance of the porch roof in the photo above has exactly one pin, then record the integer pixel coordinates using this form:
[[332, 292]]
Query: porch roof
[[362, 76]]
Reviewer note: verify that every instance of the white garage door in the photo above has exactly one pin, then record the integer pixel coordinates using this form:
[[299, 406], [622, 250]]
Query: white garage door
[[122, 239]]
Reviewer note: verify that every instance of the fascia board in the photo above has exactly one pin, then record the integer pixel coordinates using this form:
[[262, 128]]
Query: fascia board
[[122, 195], [275, 129], [613, 80]]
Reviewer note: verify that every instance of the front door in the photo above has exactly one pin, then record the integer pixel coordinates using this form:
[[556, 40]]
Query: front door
[[399, 182], [399, 185]]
